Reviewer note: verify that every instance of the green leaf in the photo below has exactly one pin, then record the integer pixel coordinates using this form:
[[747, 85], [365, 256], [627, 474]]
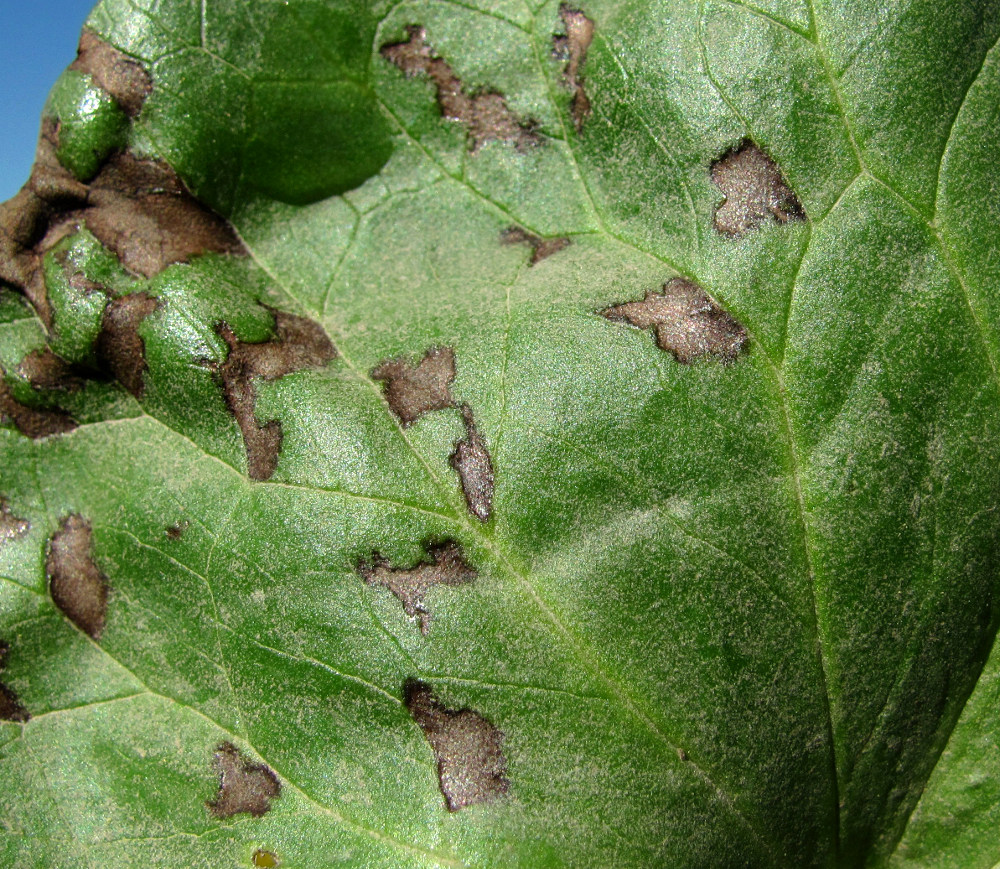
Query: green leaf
[[443, 434]]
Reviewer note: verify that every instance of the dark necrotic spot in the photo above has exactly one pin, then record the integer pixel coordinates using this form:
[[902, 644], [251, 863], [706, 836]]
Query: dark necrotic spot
[[176, 531], [244, 786], [43, 369], [469, 749], [540, 247], [447, 566], [11, 527], [33, 422], [300, 344], [118, 74], [485, 115], [11, 708], [572, 47], [119, 345], [686, 321], [413, 390], [475, 469], [755, 191], [139, 209], [77, 586]]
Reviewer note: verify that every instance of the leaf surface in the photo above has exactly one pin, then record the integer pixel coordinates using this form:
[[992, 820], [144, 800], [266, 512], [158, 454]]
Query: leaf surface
[[694, 574]]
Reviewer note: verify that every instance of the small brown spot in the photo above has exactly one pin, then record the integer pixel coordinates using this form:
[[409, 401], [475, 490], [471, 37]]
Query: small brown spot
[[469, 749], [485, 115], [44, 370], [265, 859], [118, 74], [475, 469], [754, 189], [682, 755], [176, 531], [11, 708], [686, 321], [540, 247], [33, 422], [244, 786], [447, 566], [137, 208], [573, 48], [11, 527], [413, 390], [300, 343], [119, 345], [77, 586], [79, 281]]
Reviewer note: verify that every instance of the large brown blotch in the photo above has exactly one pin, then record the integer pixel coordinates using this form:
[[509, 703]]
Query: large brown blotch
[[447, 566], [413, 390], [244, 786], [121, 76], [31, 223], [686, 321], [471, 459], [573, 47], [300, 344], [34, 422], [77, 585], [139, 209], [119, 344], [469, 749], [142, 211], [755, 191], [11, 708], [485, 115]]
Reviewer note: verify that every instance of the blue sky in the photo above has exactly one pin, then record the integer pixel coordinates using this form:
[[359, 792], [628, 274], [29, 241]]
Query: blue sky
[[39, 41]]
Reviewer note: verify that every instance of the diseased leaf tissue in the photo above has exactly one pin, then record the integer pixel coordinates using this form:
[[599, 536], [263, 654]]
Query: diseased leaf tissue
[[473, 434]]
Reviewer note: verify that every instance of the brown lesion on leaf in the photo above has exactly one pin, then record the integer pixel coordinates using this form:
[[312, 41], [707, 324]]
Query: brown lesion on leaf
[[141, 210], [245, 787], [177, 530], [755, 191], [541, 248], [43, 369], [118, 347], [299, 344], [77, 585], [33, 422], [485, 115], [11, 526], [30, 223], [687, 323], [469, 749], [413, 390], [11, 708], [119, 344], [446, 566], [471, 459], [572, 47], [123, 77], [137, 208]]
